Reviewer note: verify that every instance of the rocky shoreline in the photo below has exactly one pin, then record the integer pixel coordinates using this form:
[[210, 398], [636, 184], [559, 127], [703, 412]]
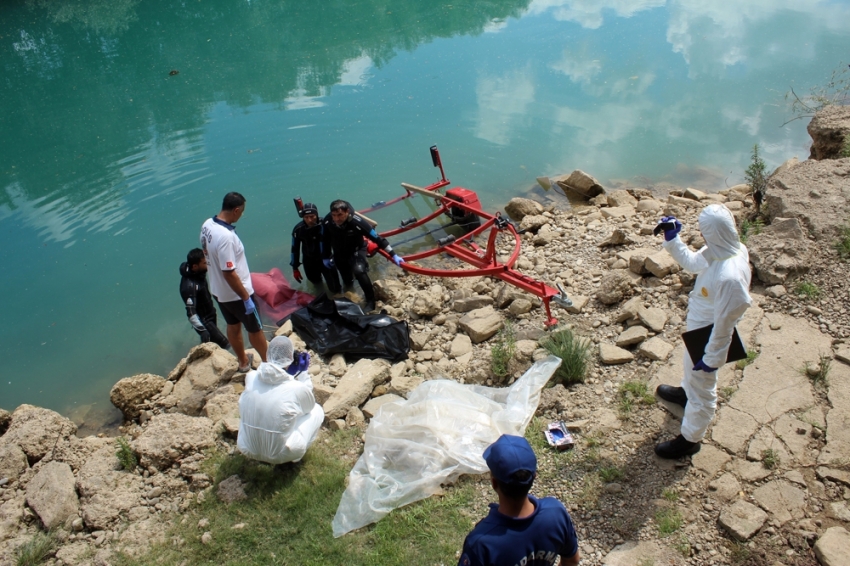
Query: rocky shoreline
[[773, 476]]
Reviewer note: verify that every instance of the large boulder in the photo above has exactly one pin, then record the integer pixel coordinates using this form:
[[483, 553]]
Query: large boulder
[[37, 431], [829, 129], [390, 290], [816, 192], [428, 303], [5, 419], [518, 208], [481, 324], [613, 287], [833, 547], [171, 436], [580, 182], [533, 223], [106, 491], [621, 198], [208, 367], [13, 462], [130, 392], [780, 251], [51, 494], [222, 404], [355, 386]]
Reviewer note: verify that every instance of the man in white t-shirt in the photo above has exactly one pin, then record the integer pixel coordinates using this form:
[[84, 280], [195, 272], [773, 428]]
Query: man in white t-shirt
[[230, 279]]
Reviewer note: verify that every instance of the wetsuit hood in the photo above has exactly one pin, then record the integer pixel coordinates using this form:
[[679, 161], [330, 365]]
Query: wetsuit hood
[[718, 230], [186, 272]]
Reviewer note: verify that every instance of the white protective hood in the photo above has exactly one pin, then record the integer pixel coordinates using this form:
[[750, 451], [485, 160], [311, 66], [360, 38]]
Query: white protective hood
[[718, 230]]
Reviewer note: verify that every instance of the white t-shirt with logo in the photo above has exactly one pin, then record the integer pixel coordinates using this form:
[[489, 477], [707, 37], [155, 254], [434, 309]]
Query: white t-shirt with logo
[[224, 252]]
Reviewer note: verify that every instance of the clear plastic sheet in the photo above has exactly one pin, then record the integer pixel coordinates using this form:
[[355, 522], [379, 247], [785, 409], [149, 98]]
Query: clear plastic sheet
[[438, 434]]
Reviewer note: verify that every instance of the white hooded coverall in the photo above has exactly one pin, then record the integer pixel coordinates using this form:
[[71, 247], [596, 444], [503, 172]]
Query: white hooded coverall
[[279, 416], [720, 297]]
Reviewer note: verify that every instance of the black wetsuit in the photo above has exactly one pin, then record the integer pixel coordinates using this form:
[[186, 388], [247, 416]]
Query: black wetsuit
[[307, 244], [348, 248], [199, 304]]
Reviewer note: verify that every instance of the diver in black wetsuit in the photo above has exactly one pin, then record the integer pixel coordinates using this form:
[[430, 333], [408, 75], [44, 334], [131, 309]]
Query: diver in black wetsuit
[[307, 244], [342, 237], [197, 300]]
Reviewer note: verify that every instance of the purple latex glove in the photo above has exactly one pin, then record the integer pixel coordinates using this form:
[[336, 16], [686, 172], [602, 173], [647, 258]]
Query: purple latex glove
[[702, 367], [397, 259], [249, 305], [670, 234], [299, 364]]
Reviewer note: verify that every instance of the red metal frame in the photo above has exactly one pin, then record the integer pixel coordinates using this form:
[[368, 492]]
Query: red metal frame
[[464, 248]]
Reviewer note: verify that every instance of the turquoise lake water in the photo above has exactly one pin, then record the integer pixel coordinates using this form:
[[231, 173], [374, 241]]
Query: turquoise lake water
[[110, 161]]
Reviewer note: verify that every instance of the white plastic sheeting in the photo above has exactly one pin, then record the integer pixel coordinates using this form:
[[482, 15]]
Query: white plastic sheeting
[[436, 435], [279, 416]]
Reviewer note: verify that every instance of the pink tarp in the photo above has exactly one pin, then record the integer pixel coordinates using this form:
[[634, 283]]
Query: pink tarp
[[276, 299]]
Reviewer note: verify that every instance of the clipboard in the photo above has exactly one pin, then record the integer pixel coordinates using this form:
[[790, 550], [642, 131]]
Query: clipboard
[[696, 341]]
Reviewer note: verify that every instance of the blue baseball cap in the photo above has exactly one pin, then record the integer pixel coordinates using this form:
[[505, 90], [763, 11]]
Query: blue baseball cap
[[509, 455]]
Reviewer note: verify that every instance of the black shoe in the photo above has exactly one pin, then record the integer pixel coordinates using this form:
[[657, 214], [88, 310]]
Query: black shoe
[[368, 307], [676, 448], [672, 394]]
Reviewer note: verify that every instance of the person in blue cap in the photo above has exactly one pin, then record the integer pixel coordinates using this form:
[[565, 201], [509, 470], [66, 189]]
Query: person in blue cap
[[520, 529]]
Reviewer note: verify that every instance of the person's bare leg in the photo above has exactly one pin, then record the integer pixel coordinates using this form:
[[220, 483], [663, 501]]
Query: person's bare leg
[[258, 341], [234, 334]]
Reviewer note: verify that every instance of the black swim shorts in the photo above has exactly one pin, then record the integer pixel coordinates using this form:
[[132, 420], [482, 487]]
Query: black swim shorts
[[234, 313]]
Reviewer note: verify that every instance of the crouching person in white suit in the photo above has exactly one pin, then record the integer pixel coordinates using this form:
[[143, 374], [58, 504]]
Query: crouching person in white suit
[[279, 414]]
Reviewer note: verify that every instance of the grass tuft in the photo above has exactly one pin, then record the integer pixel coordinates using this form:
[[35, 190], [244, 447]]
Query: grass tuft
[[739, 553], [770, 459], [125, 454], [670, 494], [610, 474], [819, 374], [751, 228], [35, 551], [574, 352], [668, 520], [633, 393], [842, 245], [807, 290], [751, 357], [502, 352]]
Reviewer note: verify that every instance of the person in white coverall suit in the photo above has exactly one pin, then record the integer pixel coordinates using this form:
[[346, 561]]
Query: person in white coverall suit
[[279, 416], [720, 297]]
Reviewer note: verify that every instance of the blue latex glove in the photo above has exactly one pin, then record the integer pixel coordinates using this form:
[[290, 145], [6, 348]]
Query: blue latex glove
[[249, 305], [397, 259], [670, 234], [702, 367], [299, 364], [328, 263]]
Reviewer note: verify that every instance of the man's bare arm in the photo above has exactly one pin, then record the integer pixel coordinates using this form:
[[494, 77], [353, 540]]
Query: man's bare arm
[[572, 560]]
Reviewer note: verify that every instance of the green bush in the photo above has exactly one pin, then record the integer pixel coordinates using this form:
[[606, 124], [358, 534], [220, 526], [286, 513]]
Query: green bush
[[502, 352], [845, 147], [574, 352], [126, 455], [755, 178]]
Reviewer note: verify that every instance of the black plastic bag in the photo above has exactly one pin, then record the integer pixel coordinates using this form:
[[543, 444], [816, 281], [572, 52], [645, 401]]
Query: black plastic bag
[[338, 326]]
